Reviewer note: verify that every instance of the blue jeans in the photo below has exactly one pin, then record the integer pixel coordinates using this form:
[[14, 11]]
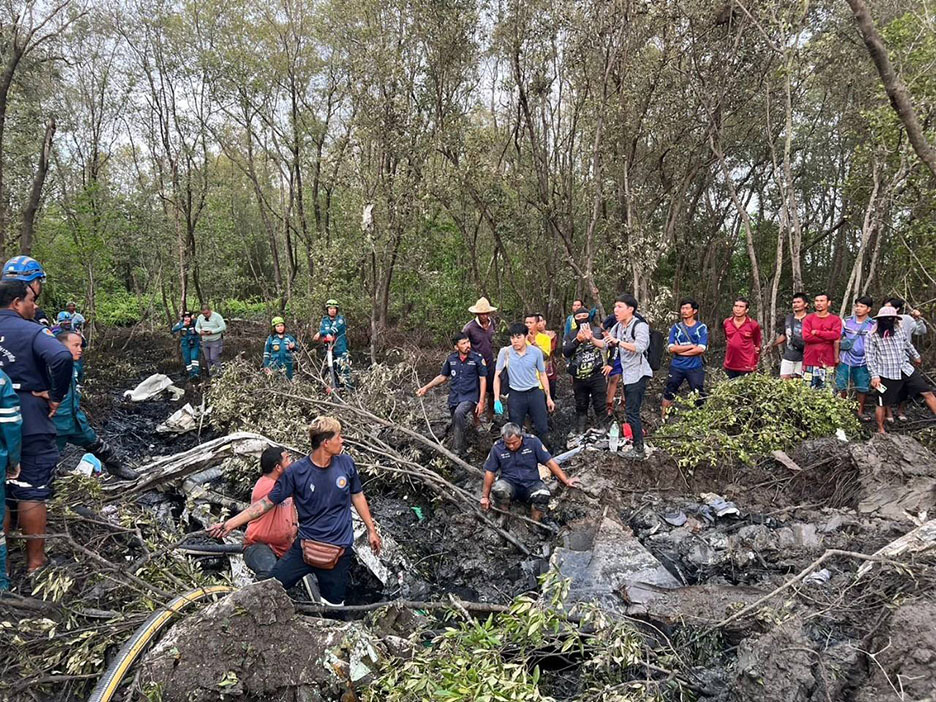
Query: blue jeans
[[260, 559], [333, 584], [633, 397]]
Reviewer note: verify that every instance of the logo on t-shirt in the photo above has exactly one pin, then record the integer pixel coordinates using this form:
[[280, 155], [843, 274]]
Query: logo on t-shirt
[[311, 486], [342, 482]]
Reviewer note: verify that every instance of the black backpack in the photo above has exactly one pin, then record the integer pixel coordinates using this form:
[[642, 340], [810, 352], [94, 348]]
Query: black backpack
[[654, 352]]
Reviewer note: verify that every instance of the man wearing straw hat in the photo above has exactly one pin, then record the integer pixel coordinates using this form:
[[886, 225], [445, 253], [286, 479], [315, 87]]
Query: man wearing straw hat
[[889, 353], [480, 331]]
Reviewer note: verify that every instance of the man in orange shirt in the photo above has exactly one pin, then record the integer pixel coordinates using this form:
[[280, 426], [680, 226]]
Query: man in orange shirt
[[273, 534]]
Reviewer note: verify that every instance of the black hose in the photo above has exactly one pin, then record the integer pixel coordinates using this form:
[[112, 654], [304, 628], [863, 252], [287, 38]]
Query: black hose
[[210, 549]]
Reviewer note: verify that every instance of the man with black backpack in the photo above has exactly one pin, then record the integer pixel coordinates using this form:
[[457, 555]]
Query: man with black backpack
[[688, 340], [586, 360], [791, 365], [631, 338]]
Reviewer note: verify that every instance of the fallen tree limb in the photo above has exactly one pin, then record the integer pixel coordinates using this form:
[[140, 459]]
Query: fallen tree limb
[[791, 582], [477, 607], [387, 424]]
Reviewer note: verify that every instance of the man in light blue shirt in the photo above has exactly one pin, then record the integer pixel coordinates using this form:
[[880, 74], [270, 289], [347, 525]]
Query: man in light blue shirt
[[630, 336], [526, 377], [211, 327]]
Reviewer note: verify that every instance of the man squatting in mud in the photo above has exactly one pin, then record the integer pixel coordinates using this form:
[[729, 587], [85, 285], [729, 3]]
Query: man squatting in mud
[[517, 457]]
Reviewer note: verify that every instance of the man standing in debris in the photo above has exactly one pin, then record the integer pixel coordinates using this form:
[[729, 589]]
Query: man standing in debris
[[526, 378], [889, 353], [744, 341], [549, 353], [71, 423], [516, 458], [29, 271], [11, 439], [272, 535], [853, 367], [688, 340], [822, 331], [480, 331], [913, 325], [791, 364], [334, 330], [324, 485], [630, 339], [468, 374], [189, 344], [40, 369], [211, 327], [586, 360]]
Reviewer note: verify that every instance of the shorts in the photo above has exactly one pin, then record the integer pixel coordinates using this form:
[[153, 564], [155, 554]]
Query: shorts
[[794, 368], [34, 483], [616, 367], [695, 377], [856, 376], [535, 493], [899, 390]]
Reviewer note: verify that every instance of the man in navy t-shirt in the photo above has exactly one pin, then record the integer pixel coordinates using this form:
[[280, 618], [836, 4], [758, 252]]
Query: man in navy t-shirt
[[323, 486], [468, 373], [517, 457], [688, 340]]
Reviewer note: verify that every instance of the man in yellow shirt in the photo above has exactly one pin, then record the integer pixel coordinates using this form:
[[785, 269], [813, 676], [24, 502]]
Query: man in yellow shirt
[[539, 340]]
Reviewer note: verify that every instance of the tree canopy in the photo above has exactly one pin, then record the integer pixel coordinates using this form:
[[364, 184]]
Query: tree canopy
[[408, 156]]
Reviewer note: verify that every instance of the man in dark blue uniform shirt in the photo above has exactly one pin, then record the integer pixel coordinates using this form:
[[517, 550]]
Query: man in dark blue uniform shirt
[[40, 368], [517, 457], [324, 486], [467, 371]]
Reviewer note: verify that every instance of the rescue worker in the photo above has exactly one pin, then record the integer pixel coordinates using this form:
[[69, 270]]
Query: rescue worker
[[40, 369], [72, 425], [211, 327], [324, 486], [189, 343], [516, 458], [468, 373], [334, 330], [279, 348], [30, 271], [11, 424]]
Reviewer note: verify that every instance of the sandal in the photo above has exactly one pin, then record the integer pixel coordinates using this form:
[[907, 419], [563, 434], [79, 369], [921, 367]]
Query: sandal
[[865, 417], [902, 417], [890, 420]]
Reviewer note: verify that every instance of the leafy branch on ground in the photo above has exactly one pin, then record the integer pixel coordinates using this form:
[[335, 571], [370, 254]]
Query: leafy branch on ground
[[745, 419]]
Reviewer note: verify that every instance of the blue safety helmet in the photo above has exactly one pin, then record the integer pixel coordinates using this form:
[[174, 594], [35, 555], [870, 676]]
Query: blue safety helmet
[[63, 316], [23, 268]]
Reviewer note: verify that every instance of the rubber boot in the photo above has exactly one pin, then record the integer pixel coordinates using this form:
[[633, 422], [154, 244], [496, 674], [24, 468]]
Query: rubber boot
[[112, 463]]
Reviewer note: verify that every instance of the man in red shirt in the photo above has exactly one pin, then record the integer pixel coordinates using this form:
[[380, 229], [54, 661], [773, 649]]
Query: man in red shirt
[[744, 341], [273, 534], [821, 334]]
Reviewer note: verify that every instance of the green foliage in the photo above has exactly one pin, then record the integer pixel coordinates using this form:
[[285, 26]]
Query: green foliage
[[747, 418], [496, 659]]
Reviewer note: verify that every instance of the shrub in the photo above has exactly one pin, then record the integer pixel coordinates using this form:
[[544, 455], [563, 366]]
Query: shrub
[[747, 418]]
